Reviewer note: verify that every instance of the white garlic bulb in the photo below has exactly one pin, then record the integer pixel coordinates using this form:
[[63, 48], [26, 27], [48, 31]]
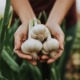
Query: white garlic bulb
[[50, 46], [39, 32], [31, 47]]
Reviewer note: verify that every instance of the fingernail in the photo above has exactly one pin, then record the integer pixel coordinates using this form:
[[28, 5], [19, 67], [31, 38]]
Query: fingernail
[[50, 61]]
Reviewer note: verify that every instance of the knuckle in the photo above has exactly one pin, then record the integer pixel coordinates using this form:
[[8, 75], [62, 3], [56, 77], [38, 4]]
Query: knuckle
[[56, 34]]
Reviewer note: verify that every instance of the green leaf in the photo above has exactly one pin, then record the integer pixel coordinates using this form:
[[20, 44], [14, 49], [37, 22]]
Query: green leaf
[[10, 34], [45, 16], [40, 15], [3, 78], [12, 64], [1, 25], [6, 70], [35, 72], [53, 72], [24, 70], [4, 25], [54, 76]]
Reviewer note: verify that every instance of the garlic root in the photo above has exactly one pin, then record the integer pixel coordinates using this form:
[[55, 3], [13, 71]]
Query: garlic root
[[53, 54]]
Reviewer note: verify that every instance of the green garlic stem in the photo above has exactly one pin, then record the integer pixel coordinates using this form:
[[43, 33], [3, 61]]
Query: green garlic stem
[[35, 21], [49, 34], [29, 29]]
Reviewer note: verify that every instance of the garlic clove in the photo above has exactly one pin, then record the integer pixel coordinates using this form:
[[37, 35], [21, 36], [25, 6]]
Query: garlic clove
[[31, 45], [53, 44], [34, 36], [38, 37], [34, 55], [53, 54], [45, 47], [47, 33], [24, 49], [38, 46], [44, 52], [41, 37], [39, 32], [39, 29]]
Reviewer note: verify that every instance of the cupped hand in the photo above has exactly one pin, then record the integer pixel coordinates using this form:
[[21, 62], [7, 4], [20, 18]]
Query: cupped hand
[[19, 37], [57, 33]]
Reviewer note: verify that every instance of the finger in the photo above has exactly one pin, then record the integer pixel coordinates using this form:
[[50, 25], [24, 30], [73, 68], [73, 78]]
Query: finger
[[24, 38], [44, 57], [55, 57], [17, 42], [43, 61], [21, 55], [50, 60], [39, 58], [58, 54], [61, 41], [33, 62]]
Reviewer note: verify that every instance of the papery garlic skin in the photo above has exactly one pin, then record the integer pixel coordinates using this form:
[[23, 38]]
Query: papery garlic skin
[[39, 32], [31, 47], [50, 45]]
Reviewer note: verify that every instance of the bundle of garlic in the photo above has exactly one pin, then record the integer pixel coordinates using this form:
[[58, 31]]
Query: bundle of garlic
[[41, 32], [37, 34], [31, 46]]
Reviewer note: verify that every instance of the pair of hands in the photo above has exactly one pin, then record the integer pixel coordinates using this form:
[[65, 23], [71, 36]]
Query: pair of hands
[[21, 35]]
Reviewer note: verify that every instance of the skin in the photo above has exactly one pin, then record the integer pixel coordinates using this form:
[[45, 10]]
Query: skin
[[25, 12]]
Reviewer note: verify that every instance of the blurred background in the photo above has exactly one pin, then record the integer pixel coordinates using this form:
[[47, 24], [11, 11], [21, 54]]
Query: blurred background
[[14, 68]]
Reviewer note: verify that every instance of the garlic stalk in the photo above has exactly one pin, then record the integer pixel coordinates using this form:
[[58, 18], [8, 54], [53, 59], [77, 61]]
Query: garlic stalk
[[38, 31], [31, 46], [50, 46]]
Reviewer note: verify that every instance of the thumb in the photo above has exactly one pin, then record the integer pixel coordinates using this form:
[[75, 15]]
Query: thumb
[[61, 41], [60, 38], [17, 41]]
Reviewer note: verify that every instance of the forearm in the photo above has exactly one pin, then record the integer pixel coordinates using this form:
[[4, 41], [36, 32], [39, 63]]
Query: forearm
[[59, 11], [23, 9]]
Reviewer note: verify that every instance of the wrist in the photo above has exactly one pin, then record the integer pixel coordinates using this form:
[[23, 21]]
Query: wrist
[[51, 23], [26, 20]]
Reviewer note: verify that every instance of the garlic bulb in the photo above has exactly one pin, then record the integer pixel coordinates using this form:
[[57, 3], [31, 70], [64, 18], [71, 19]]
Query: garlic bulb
[[32, 47], [50, 46], [39, 32]]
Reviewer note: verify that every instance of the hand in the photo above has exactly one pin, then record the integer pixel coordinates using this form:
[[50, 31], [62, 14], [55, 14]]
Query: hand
[[57, 33], [20, 36]]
